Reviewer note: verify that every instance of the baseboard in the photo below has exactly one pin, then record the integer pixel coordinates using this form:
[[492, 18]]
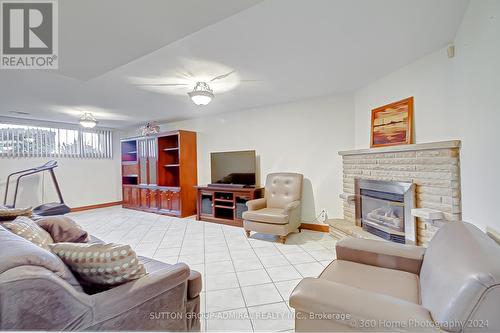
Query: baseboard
[[103, 205], [316, 227]]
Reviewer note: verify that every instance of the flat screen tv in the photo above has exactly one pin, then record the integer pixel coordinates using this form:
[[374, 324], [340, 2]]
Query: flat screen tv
[[233, 168]]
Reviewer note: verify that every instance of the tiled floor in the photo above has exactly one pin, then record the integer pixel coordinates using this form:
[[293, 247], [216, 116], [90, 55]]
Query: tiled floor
[[247, 281]]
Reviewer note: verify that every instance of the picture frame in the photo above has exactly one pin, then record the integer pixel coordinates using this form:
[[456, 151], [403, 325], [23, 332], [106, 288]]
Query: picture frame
[[392, 124]]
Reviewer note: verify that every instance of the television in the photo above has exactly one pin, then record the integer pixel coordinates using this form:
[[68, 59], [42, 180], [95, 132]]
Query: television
[[236, 168]]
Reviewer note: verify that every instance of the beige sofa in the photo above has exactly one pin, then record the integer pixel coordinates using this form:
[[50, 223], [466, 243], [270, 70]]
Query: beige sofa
[[278, 213], [38, 292], [453, 285]]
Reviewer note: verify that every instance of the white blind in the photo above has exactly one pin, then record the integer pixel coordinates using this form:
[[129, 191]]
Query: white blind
[[47, 141]]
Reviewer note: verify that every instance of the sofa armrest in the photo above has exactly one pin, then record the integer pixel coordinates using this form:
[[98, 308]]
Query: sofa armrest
[[256, 204], [381, 253], [195, 284], [356, 308], [120, 300], [291, 206]]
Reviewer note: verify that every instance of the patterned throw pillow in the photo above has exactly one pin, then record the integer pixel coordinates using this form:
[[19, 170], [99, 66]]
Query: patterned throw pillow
[[9, 214], [101, 264], [28, 229]]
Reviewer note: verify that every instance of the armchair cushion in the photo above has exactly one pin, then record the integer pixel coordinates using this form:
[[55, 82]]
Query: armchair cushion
[[256, 204], [267, 215], [382, 254], [326, 297], [399, 284]]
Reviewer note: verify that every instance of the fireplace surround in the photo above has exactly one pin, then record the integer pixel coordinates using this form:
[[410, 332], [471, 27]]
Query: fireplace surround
[[434, 169], [383, 208]]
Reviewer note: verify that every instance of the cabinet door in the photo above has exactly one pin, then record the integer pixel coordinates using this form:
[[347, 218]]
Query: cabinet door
[[164, 201], [144, 198], [127, 196], [134, 202], [175, 202], [153, 199], [152, 147], [206, 200], [143, 161]]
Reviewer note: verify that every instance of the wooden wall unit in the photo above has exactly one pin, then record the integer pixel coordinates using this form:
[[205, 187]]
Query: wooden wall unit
[[159, 173]]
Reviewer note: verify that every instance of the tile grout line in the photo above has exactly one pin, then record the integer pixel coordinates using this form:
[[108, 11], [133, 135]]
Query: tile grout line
[[238, 280], [272, 281]]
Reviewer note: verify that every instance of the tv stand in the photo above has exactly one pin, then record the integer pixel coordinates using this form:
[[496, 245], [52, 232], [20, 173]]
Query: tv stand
[[224, 204]]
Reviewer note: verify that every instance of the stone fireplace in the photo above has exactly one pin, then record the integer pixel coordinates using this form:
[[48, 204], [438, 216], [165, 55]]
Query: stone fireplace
[[384, 209], [433, 169]]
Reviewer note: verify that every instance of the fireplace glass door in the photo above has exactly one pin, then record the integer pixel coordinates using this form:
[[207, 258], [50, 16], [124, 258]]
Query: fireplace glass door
[[384, 211]]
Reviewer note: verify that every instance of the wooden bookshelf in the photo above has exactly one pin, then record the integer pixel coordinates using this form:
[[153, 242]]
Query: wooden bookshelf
[[159, 173]]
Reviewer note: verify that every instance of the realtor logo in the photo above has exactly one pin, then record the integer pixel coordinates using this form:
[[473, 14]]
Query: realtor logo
[[29, 34]]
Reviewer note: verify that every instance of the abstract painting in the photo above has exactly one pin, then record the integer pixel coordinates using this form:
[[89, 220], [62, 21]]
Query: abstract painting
[[392, 124]]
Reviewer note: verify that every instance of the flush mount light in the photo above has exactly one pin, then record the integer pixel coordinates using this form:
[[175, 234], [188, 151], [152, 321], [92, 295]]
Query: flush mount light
[[87, 120], [201, 94]]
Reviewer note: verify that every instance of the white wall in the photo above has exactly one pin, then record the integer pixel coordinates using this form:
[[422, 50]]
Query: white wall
[[302, 137], [82, 181], [454, 99]]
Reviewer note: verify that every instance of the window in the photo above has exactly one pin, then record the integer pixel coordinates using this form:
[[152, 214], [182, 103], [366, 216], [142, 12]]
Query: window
[[48, 141]]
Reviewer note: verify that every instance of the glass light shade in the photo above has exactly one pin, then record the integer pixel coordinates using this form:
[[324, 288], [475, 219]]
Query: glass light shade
[[201, 94], [201, 99], [88, 120]]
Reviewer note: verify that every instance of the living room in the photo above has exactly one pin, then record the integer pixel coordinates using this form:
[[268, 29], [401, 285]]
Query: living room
[[240, 152]]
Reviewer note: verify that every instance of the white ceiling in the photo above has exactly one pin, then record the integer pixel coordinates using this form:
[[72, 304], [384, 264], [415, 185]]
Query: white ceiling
[[289, 49]]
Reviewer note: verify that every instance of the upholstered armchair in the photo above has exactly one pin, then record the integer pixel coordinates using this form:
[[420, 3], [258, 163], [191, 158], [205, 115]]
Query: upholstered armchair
[[278, 213], [453, 285]]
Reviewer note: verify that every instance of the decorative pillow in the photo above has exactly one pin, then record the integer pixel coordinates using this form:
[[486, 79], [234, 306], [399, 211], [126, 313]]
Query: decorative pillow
[[28, 229], [102, 264], [63, 229], [9, 214]]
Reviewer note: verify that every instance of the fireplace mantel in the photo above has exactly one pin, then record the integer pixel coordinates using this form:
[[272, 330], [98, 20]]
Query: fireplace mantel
[[402, 148]]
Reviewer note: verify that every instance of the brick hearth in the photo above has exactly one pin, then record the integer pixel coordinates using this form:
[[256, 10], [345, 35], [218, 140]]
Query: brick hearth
[[433, 167]]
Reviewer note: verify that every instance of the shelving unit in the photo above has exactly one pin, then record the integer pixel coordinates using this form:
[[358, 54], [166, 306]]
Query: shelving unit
[[159, 173]]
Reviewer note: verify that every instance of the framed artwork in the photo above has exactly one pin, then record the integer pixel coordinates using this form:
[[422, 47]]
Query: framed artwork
[[392, 124]]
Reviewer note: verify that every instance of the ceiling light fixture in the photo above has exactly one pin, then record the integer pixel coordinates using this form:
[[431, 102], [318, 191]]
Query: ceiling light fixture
[[87, 120], [201, 94], [150, 129]]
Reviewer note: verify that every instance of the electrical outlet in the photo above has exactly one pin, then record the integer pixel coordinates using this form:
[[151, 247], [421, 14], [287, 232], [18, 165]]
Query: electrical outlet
[[323, 216]]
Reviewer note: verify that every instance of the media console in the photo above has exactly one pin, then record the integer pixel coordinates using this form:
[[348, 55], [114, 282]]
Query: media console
[[224, 205]]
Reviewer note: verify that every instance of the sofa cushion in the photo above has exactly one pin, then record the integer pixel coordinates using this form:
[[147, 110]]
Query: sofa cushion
[[102, 264], [17, 251], [194, 280], [28, 229], [399, 284], [63, 229], [8, 214], [267, 215]]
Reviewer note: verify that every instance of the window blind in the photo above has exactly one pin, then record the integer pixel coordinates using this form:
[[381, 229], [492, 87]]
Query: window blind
[[47, 141]]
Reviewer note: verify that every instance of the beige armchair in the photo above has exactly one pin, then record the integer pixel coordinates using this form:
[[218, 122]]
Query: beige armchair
[[453, 285], [278, 213]]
